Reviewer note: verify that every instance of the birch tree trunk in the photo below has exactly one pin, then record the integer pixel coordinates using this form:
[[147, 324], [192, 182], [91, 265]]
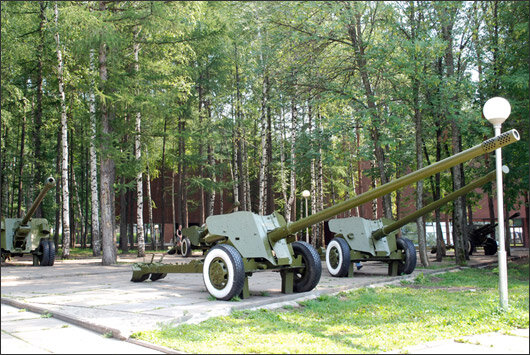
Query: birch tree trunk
[[211, 163], [150, 209], [94, 197], [290, 208], [183, 196], [245, 175], [138, 154], [314, 184], [283, 179], [200, 93], [163, 187], [21, 163], [235, 171], [64, 145], [263, 147], [320, 181], [58, 190]]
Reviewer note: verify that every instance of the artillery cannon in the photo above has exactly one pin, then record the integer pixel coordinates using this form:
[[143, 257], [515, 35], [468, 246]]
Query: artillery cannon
[[193, 238], [481, 236], [359, 239], [29, 235], [244, 243]]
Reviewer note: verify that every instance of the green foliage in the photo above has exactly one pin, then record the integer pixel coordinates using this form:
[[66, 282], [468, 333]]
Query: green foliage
[[448, 305], [200, 89]]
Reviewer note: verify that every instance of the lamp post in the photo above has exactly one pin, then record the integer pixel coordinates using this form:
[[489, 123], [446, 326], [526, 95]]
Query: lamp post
[[305, 195], [496, 111]]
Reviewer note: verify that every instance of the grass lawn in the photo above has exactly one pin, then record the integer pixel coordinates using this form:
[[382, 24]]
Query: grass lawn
[[366, 320]]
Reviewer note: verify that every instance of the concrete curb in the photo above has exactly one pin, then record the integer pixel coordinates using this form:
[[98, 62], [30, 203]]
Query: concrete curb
[[61, 316], [90, 326]]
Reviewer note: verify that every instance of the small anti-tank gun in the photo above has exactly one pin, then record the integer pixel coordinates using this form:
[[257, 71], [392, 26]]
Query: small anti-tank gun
[[244, 242], [29, 235], [193, 238], [358, 239], [241, 245]]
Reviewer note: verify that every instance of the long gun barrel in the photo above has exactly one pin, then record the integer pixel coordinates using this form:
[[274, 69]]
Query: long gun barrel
[[468, 154], [380, 233], [49, 183]]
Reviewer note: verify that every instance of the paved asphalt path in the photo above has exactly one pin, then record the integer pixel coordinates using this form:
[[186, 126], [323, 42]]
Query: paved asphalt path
[[80, 306]]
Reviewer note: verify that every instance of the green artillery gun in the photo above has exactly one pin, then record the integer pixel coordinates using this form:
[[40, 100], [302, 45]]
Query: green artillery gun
[[241, 245], [244, 242], [193, 238], [29, 235], [358, 239]]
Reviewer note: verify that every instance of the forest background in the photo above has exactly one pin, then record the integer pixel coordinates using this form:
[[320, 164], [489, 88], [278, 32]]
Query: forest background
[[251, 102]]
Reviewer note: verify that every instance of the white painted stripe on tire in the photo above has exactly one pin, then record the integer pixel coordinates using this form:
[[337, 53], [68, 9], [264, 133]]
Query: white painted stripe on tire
[[334, 244], [218, 253]]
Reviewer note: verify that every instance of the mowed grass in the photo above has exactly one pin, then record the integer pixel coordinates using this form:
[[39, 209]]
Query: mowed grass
[[367, 320]]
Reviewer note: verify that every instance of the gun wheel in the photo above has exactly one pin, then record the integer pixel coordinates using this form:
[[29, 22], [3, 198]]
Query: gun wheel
[[185, 247], [51, 252], [469, 247], [408, 264], [490, 246], [44, 253], [157, 276], [223, 272], [307, 278], [338, 257], [141, 278]]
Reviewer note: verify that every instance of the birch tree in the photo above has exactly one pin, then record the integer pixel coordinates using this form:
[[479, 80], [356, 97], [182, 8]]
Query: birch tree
[[64, 143], [138, 155], [94, 196]]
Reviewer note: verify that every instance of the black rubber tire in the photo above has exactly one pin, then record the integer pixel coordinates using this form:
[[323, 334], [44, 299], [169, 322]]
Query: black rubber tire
[[306, 279], [157, 276], [141, 279], [490, 246], [51, 252], [185, 247], [44, 249], [339, 248], [227, 260], [469, 247], [409, 264]]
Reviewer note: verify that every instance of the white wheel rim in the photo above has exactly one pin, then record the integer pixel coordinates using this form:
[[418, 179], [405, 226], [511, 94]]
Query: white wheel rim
[[336, 245], [214, 291], [184, 247]]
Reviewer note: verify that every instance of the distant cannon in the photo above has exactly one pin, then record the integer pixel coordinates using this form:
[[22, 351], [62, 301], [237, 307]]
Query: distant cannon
[[29, 235], [193, 239], [244, 242], [481, 237]]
